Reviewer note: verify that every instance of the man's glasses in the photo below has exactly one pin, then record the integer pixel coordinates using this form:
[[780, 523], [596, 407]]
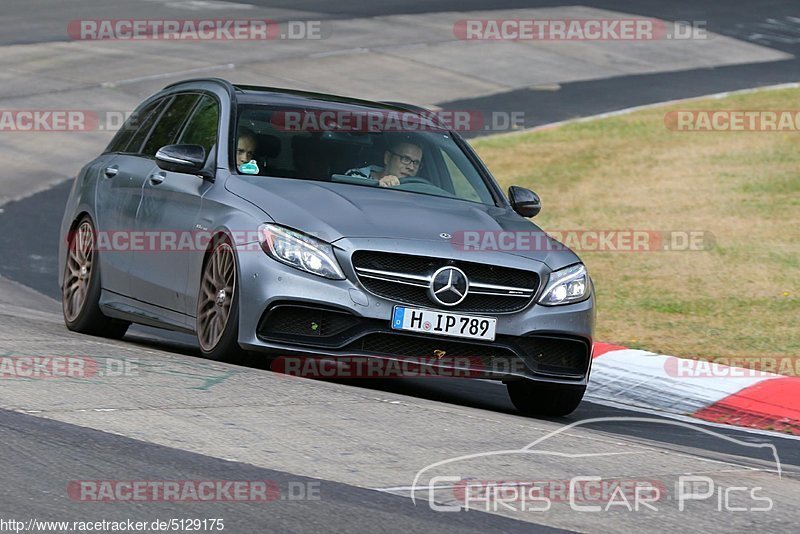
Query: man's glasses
[[405, 160]]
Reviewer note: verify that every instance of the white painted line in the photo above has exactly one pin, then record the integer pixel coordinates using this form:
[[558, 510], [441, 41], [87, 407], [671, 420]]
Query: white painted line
[[197, 5], [161, 76], [688, 419], [34, 190], [345, 51], [626, 111]]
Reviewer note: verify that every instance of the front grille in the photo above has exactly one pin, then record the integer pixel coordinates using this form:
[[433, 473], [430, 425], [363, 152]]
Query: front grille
[[404, 278]]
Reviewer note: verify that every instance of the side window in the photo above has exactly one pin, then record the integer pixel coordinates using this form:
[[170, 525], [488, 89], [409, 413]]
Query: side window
[[127, 131], [169, 123], [202, 126], [144, 128]]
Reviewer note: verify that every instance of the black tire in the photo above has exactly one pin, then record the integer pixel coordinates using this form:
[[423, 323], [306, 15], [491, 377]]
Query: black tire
[[224, 347], [541, 399], [80, 293]]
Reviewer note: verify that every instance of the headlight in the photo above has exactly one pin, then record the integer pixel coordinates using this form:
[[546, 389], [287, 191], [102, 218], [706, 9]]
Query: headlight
[[299, 251], [567, 286]]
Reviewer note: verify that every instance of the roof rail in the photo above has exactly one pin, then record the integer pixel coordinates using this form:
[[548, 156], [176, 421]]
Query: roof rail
[[228, 86], [225, 83], [321, 96]]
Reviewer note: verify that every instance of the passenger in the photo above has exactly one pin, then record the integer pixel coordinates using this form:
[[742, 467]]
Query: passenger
[[246, 147]]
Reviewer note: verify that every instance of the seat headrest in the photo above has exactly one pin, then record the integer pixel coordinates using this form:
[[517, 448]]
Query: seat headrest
[[269, 145]]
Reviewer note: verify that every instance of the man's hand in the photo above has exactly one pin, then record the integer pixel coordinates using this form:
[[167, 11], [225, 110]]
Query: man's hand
[[390, 180]]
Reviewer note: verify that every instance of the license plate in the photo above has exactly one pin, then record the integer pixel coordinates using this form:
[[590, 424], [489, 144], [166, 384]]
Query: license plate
[[443, 323]]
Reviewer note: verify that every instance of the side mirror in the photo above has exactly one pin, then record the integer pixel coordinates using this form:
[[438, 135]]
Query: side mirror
[[524, 201], [188, 159]]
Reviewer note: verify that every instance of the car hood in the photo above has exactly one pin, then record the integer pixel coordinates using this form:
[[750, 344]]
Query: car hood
[[332, 211]]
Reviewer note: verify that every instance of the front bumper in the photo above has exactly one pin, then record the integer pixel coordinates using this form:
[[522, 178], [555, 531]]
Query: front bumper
[[287, 312]]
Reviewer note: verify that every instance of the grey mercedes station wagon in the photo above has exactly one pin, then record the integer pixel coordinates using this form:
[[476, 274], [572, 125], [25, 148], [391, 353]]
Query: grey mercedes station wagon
[[322, 228]]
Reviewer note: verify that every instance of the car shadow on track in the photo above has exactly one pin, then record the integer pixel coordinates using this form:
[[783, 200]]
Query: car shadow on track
[[481, 394]]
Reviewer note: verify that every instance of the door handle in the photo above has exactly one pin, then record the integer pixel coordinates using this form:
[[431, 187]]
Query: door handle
[[111, 172], [157, 177]]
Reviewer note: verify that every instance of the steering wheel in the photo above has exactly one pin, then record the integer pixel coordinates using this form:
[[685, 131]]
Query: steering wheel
[[414, 180]]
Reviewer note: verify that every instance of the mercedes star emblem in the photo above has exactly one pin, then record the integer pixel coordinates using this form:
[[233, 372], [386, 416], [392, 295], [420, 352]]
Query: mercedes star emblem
[[449, 286]]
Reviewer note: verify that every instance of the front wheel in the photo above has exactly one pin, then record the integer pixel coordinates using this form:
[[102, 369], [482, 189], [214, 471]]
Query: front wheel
[[80, 293], [541, 399], [218, 306]]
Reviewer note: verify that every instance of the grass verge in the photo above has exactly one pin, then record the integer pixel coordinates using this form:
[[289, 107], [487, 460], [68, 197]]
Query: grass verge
[[737, 297]]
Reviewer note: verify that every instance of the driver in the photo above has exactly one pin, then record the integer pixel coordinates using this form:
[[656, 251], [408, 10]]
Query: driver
[[401, 160]]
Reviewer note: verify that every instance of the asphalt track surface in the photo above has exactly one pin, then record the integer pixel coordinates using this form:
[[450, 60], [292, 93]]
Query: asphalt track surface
[[45, 450], [39, 453], [735, 18], [770, 23]]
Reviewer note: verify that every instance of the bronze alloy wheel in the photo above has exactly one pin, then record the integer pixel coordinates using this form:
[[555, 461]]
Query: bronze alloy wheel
[[217, 288], [81, 291], [78, 275]]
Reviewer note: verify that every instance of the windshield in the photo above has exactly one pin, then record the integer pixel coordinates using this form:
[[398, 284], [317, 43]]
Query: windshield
[[392, 150]]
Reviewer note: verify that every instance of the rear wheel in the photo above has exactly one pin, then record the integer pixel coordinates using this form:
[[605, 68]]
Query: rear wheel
[[541, 399], [218, 305], [80, 294]]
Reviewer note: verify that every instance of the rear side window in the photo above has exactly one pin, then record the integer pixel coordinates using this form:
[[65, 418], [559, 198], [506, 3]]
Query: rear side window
[[144, 128], [169, 124], [202, 126], [128, 130]]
